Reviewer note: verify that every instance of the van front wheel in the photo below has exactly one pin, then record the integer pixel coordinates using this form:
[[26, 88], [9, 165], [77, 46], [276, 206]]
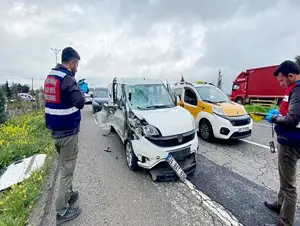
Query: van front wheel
[[131, 158], [205, 130]]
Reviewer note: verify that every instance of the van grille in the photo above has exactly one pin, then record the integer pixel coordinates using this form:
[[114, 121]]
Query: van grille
[[170, 141], [240, 122]]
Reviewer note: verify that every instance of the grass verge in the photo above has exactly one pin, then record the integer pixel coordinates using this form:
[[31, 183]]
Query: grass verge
[[23, 137], [258, 108]]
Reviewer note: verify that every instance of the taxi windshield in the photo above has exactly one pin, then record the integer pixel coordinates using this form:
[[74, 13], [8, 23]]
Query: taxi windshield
[[148, 96], [212, 94]]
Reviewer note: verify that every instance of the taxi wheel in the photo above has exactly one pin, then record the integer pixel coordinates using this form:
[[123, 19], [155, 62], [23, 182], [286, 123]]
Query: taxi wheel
[[205, 130], [131, 158]]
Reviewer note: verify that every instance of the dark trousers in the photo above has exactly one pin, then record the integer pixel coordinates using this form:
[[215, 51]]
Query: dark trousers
[[287, 196], [67, 148]]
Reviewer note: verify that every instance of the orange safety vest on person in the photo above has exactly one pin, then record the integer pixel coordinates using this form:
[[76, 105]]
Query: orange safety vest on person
[[284, 107]]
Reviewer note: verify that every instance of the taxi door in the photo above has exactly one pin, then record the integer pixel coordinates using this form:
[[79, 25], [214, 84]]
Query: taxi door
[[190, 101]]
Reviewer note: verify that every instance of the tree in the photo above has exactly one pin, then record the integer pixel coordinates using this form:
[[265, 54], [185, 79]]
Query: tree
[[7, 89], [220, 78], [18, 88], [297, 60], [3, 116], [182, 79]]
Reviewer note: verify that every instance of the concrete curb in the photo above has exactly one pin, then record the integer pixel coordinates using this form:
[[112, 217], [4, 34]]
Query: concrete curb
[[42, 208]]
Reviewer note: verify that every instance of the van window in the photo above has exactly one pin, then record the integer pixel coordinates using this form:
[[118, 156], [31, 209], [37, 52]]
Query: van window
[[177, 92], [190, 97]]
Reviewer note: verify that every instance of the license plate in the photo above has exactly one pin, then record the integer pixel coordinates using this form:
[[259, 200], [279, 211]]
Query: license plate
[[177, 169], [244, 129]]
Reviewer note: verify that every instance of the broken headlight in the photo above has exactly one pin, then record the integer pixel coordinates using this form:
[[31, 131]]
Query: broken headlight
[[149, 130], [143, 129]]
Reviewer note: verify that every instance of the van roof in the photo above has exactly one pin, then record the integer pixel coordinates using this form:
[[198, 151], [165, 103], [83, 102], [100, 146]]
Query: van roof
[[192, 84], [138, 80]]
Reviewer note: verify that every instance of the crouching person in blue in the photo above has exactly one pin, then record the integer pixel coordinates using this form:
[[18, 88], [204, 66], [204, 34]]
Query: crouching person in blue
[[287, 127], [63, 101]]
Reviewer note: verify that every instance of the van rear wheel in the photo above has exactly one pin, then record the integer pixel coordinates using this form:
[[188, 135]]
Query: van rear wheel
[[206, 130]]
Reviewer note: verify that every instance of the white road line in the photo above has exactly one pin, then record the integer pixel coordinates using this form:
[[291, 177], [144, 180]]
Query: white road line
[[257, 144], [215, 208], [260, 124]]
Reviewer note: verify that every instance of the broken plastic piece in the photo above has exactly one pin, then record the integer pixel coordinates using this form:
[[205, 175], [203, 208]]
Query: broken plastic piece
[[107, 149]]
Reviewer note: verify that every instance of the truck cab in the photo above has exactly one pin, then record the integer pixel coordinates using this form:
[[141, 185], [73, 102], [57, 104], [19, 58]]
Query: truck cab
[[239, 88]]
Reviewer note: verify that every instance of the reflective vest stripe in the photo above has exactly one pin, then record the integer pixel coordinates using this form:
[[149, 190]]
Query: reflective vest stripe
[[57, 73], [286, 98], [68, 111], [298, 126]]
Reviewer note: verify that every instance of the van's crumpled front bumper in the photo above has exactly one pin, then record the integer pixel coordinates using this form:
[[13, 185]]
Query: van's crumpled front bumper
[[154, 156]]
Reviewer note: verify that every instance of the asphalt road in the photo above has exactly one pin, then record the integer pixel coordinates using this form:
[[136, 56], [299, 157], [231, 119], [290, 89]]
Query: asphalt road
[[239, 175], [111, 194]]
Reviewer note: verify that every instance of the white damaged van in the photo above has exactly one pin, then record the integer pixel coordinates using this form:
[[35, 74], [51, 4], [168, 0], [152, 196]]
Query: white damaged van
[[151, 127]]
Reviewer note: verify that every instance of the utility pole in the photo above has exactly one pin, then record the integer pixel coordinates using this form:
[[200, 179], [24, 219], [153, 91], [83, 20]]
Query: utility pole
[[32, 86], [56, 51]]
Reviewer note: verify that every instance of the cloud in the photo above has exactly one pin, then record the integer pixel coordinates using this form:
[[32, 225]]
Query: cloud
[[155, 38]]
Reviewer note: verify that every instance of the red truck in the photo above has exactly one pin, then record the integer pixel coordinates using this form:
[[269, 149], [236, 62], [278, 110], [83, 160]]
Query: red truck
[[257, 84]]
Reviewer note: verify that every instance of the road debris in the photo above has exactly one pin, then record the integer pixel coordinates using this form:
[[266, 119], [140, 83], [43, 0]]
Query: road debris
[[21, 170], [107, 149]]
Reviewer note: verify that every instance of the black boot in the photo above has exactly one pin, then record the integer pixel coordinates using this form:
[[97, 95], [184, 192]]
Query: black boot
[[279, 223], [273, 206], [73, 198], [71, 214]]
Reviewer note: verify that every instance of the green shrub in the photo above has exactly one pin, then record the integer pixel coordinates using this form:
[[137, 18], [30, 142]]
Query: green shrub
[[22, 137]]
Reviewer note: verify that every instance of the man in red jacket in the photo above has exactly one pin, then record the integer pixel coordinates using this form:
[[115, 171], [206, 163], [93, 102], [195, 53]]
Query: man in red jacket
[[63, 102], [287, 127]]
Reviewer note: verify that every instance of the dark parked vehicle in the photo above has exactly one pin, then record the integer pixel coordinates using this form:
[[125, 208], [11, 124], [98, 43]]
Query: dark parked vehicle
[[99, 97]]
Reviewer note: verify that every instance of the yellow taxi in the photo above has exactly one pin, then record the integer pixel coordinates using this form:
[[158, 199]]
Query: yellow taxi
[[215, 115]]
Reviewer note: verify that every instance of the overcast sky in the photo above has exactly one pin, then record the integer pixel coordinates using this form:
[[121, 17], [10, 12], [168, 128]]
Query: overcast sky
[[151, 38]]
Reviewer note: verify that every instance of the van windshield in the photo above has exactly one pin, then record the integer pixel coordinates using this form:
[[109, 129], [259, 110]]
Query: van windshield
[[212, 94], [148, 96]]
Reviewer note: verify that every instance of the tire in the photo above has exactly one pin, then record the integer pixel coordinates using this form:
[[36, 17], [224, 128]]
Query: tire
[[131, 158], [205, 130], [239, 100]]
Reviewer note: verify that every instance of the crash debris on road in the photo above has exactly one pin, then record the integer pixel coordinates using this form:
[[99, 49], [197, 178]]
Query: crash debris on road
[[21, 170]]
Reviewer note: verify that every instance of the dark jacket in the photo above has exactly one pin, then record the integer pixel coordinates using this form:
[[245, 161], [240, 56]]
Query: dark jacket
[[288, 127], [63, 101]]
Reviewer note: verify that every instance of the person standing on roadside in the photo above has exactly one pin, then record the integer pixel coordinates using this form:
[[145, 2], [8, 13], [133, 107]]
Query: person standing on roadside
[[63, 102], [287, 127]]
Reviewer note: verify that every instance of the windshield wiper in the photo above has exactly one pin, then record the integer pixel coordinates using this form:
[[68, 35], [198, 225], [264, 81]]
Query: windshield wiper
[[140, 108], [209, 101], [222, 101], [158, 106]]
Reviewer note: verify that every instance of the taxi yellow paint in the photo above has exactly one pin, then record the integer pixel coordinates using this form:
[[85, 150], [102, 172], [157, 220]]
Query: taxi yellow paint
[[232, 109]]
